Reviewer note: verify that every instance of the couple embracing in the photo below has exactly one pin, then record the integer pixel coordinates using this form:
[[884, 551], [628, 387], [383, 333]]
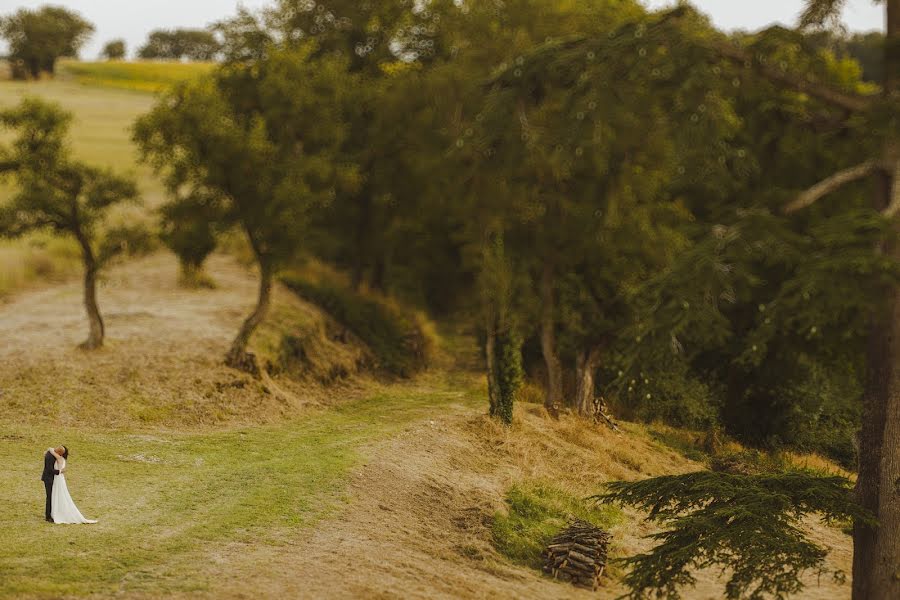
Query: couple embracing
[[60, 507]]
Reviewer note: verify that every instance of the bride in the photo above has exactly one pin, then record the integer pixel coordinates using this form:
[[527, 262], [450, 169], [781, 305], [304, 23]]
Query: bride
[[62, 508]]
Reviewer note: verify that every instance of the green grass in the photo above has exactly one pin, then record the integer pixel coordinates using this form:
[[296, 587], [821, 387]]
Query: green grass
[[166, 501], [135, 76], [538, 511]]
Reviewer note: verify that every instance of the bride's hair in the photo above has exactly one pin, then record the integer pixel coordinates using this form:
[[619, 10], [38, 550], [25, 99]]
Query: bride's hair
[[65, 453]]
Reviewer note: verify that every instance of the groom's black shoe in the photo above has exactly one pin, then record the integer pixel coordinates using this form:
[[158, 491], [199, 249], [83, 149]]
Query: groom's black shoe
[[49, 520]]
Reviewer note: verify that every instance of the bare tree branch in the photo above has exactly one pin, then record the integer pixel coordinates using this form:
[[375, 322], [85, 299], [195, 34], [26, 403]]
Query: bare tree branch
[[831, 184]]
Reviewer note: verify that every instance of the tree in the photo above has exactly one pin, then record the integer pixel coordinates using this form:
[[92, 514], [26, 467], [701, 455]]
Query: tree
[[177, 44], [38, 38], [58, 193], [189, 228], [590, 179], [876, 549], [258, 140], [114, 50]]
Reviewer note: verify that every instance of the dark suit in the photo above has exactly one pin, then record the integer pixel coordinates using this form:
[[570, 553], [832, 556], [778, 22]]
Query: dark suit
[[47, 477]]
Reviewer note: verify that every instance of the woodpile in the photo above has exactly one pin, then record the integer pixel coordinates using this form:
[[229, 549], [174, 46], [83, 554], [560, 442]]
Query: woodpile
[[578, 555], [601, 415]]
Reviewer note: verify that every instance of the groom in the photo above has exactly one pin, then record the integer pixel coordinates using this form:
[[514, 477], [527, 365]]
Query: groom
[[47, 477]]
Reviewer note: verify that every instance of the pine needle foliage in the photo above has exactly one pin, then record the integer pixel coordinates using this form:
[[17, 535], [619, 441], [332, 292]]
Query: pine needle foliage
[[510, 374], [748, 524]]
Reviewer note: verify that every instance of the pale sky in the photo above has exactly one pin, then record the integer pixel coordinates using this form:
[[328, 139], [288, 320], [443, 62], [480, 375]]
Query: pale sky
[[134, 19]]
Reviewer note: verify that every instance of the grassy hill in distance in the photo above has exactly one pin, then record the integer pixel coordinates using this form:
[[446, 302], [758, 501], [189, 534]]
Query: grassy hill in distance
[[141, 76]]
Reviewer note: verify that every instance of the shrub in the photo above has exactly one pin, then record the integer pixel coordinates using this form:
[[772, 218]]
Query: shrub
[[669, 394], [134, 239], [398, 337], [508, 358]]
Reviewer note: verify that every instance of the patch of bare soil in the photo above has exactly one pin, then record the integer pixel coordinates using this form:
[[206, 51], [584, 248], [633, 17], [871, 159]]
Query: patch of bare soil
[[417, 524], [162, 363]]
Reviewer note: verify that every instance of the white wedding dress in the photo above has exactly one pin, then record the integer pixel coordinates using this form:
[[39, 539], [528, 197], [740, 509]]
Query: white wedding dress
[[62, 508]]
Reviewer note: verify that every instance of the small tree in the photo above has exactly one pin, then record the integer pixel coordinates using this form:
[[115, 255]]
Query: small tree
[[503, 344], [114, 50], [259, 140], [188, 228], [57, 192], [37, 38]]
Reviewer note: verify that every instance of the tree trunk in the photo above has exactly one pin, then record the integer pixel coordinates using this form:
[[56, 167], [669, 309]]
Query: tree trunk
[[363, 237], [194, 276], [585, 368], [95, 320], [554, 390], [490, 357], [238, 357], [876, 550]]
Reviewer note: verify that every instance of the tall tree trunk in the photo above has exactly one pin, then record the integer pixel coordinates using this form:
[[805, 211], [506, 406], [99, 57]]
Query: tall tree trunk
[[237, 356], [585, 367], [490, 357], [95, 320], [362, 242], [876, 550], [554, 390]]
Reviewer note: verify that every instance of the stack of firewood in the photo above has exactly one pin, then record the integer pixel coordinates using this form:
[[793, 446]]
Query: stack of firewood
[[578, 554]]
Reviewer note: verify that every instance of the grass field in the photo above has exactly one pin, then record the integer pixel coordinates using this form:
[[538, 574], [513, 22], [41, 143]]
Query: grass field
[[134, 76], [166, 501]]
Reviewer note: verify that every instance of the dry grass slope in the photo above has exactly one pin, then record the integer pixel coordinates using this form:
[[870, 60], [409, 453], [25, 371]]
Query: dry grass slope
[[162, 364]]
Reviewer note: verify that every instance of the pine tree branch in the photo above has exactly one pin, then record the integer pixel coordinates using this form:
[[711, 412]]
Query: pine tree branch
[[831, 184], [825, 93]]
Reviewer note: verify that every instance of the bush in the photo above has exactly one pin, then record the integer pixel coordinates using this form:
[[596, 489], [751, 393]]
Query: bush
[[398, 337], [127, 240], [670, 395], [508, 360]]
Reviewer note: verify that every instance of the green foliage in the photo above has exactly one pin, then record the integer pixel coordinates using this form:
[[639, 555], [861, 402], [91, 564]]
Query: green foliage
[[189, 228], [235, 141], [396, 336], [749, 524], [508, 359], [37, 38], [666, 392], [114, 50], [535, 512], [53, 190], [192, 44], [129, 239]]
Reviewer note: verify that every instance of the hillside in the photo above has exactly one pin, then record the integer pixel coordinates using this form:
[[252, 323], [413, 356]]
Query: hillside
[[209, 484]]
